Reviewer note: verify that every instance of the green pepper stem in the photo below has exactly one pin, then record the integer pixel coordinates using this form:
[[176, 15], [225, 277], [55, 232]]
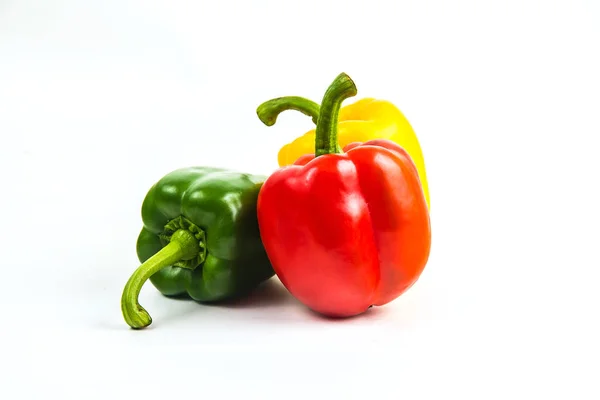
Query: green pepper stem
[[270, 109], [183, 246], [326, 134]]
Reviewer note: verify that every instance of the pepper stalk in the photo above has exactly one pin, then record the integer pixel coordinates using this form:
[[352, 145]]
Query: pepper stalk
[[183, 245], [324, 116]]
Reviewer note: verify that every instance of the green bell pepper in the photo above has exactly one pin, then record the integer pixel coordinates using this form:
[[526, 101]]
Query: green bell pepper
[[200, 239]]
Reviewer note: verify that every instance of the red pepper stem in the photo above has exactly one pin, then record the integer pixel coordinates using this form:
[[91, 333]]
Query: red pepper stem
[[270, 109], [183, 246], [326, 139]]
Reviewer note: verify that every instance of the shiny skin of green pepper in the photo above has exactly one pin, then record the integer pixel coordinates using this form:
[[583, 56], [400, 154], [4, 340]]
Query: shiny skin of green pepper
[[200, 239]]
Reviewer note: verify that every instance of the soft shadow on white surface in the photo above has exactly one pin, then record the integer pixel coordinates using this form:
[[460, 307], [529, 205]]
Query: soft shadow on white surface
[[270, 294], [270, 305]]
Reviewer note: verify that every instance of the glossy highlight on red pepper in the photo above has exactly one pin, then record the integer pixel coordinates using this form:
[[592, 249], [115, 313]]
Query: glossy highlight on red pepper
[[346, 229]]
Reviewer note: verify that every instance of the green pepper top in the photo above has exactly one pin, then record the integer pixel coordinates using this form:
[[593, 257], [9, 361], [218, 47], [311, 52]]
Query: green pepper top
[[200, 239]]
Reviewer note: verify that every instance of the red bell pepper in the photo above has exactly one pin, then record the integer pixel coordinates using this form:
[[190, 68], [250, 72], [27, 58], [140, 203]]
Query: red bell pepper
[[347, 229]]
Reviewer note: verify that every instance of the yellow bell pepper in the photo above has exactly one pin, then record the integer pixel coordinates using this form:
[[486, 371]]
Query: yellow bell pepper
[[364, 120]]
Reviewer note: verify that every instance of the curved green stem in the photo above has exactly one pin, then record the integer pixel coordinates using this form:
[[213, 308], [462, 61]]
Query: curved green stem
[[183, 246], [270, 109], [326, 140]]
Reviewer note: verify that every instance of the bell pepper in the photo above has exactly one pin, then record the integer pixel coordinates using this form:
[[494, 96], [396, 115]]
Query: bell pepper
[[345, 229], [200, 239], [363, 120]]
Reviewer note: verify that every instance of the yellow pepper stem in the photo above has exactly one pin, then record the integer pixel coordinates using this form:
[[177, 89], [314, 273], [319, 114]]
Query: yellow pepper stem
[[270, 110], [326, 133], [324, 116]]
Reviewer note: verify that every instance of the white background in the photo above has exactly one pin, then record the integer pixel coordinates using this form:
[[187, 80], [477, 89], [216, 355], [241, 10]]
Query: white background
[[100, 99]]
